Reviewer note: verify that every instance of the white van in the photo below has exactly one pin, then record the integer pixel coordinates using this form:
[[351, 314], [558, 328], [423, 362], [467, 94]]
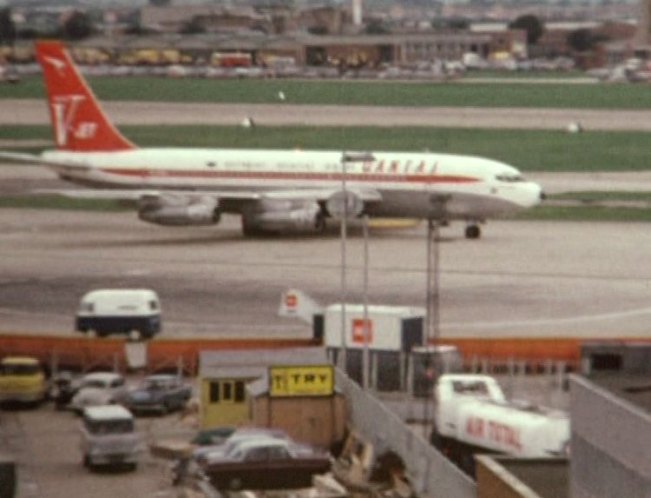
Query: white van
[[109, 437], [135, 312]]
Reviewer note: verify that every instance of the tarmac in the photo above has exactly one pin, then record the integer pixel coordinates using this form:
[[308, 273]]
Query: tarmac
[[34, 112]]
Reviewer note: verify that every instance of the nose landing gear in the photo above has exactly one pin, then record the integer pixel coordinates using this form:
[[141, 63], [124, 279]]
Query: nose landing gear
[[473, 231]]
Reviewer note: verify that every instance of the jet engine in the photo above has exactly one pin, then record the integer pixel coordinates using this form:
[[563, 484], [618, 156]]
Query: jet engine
[[283, 216], [179, 210]]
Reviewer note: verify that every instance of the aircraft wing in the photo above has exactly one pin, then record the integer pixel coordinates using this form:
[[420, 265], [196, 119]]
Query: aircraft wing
[[233, 198], [38, 160]]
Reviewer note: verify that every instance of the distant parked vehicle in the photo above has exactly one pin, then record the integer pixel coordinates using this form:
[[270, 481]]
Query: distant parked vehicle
[[108, 437], [22, 380], [9, 74], [134, 312], [159, 393], [99, 388]]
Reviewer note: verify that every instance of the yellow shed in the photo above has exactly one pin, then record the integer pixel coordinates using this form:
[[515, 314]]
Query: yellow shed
[[224, 375]]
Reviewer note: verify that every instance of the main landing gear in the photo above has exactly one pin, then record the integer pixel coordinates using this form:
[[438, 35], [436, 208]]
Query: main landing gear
[[473, 231]]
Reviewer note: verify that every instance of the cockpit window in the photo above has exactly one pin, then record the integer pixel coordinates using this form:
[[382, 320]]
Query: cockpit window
[[509, 177]]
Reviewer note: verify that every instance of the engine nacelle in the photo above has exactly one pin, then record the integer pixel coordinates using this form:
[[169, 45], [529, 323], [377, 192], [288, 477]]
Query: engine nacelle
[[180, 211], [284, 216]]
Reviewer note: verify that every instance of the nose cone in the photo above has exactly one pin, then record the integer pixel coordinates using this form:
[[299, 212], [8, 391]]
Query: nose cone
[[533, 195]]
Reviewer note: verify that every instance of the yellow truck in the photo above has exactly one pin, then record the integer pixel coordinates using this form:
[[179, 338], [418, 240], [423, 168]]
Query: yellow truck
[[22, 380]]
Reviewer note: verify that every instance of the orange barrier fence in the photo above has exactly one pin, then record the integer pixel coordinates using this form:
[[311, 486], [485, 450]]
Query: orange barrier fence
[[531, 349], [535, 351], [86, 354]]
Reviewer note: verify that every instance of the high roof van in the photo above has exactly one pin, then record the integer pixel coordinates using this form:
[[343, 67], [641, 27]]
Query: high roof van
[[134, 312], [109, 437]]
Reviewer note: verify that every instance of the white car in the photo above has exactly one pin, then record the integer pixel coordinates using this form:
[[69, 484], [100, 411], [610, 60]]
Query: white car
[[99, 388]]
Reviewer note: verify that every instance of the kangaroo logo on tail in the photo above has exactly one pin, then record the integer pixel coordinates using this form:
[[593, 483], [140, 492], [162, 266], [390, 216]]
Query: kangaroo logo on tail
[[78, 120]]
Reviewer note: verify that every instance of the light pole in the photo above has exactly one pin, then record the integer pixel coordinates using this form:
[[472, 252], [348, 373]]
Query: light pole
[[433, 321], [438, 205], [345, 205], [365, 357]]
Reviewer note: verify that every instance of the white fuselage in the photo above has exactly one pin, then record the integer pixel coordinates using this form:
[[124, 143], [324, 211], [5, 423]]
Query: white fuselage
[[475, 188]]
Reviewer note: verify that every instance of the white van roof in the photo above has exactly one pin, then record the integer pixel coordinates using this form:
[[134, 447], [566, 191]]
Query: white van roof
[[107, 412], [120, 293]]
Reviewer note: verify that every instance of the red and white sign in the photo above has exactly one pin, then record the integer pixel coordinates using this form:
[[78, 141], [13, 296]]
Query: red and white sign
[[358, 331], [291, 301]]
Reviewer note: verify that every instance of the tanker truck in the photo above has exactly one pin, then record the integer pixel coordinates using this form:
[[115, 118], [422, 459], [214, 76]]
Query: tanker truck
[[472, 415]]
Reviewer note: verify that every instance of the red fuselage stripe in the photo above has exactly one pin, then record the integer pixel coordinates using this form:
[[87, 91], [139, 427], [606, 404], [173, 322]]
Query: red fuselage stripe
[[275, 175]]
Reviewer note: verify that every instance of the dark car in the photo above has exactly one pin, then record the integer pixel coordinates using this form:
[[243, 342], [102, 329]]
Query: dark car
[[266, 463], [159, 394]]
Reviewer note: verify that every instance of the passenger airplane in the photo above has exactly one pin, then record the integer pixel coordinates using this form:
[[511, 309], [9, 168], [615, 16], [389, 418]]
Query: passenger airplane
[[273, 190]]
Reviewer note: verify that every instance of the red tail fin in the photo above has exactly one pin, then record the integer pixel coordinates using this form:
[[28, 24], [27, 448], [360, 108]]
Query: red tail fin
[[78, 120]]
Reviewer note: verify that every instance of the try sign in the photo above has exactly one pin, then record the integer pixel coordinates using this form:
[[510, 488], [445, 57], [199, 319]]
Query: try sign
[[313, 380]]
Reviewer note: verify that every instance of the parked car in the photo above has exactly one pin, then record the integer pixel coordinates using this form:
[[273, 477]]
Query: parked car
[[99, 388], [108, 437], [22, 380], [266, 463], [159, 393], [214, 435], [62, 389], [206, 453], [133, 312]]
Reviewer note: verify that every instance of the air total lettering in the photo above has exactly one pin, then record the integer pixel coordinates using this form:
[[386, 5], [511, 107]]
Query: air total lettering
[[496, 432]]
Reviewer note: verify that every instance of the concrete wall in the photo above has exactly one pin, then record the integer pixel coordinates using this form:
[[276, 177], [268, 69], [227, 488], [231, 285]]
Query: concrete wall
[[611, 444], [431, 474]]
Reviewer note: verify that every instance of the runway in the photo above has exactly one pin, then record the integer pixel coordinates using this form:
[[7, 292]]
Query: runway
[[34, 112], [523, 279]]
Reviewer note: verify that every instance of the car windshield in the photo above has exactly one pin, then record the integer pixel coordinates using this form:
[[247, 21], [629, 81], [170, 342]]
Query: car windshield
[[94, 383], [154, 384], [20, 369], [109, 426]]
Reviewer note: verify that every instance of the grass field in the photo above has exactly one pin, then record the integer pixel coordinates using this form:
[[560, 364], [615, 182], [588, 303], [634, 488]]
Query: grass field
[[528, 150], [586, 213], [416, 94]]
